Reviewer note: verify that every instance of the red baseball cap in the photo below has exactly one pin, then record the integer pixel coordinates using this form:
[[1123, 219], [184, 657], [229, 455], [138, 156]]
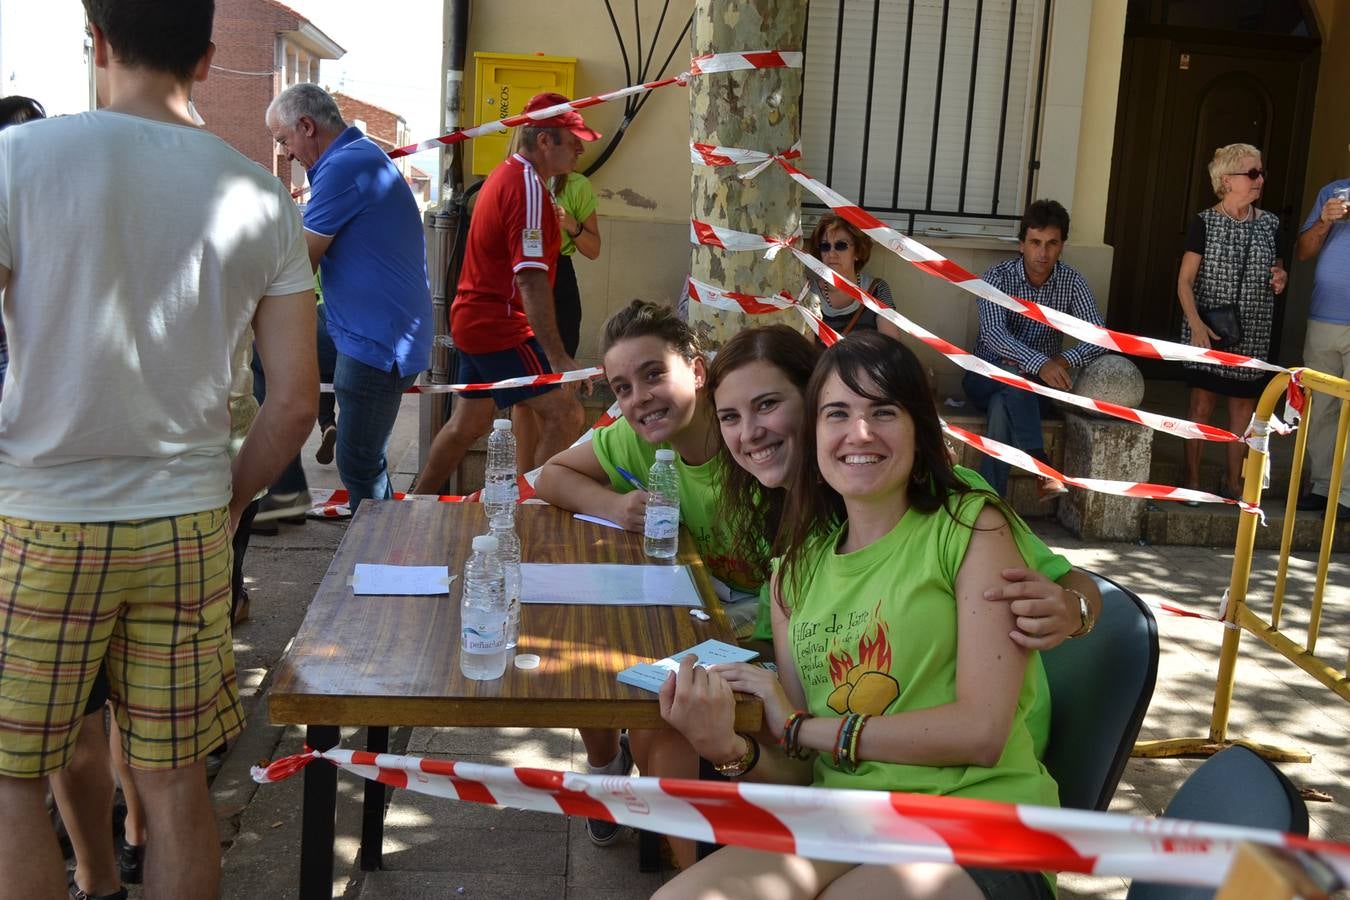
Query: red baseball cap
[[571, 120]]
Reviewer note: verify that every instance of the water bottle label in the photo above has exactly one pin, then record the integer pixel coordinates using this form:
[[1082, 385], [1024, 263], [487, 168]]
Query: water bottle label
[[662, 523], [484, 635]]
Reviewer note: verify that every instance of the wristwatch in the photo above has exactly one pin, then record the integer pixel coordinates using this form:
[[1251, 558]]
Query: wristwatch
[[743, 763], [1086, 620]]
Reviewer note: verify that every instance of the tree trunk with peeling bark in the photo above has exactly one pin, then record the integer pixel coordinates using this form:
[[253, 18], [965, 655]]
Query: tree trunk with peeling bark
[[757, 109]]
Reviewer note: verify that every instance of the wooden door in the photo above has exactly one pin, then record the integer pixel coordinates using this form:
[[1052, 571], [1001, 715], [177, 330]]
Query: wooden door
[[1181, 100]]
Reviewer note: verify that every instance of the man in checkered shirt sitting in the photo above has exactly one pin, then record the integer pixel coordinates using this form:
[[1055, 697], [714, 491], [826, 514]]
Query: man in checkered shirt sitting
[[1014, 342]]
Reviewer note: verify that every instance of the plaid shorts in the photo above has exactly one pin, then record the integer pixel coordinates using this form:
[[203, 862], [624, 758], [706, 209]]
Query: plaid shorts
[[151, 595]]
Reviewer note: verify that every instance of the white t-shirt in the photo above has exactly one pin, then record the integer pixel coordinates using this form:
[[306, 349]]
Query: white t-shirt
[[138, 252]]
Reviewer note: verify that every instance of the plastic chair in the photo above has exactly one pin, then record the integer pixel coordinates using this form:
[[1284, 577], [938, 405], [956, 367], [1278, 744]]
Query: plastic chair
[[1100, 687], [1232, 787]]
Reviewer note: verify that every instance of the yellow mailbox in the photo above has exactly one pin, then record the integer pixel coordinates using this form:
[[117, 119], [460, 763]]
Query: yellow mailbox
[[503, 84]]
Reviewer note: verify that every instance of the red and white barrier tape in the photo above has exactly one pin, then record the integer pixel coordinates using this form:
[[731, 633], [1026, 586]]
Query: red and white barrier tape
[[939, 266], [510, 122], [334, 504], [1027, 462], [742, 60], [711, 155], [519, 382], [733, 301], [723, 237], [854, 826], [700, 65]]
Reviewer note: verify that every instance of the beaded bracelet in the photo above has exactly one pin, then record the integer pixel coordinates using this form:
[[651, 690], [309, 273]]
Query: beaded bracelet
[[789, 740], [839, 737], [853, 740]]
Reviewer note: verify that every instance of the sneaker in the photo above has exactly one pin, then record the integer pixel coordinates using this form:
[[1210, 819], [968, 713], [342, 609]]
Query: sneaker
[[287, 508], [131, 862], [1048, 488], [324, 455], [603, 832]]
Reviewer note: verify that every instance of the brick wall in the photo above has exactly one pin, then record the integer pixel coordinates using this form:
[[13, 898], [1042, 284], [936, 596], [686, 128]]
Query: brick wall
[[382, 126], [233, 105]]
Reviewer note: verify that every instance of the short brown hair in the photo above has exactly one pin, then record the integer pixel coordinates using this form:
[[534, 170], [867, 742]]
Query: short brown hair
[[642, 318], [862, 244]]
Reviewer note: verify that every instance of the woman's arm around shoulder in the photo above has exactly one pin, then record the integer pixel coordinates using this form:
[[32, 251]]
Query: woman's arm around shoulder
[[973, 729]]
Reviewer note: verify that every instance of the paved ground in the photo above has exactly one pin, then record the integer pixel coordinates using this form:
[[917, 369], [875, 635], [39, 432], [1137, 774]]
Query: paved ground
[[436, 848]]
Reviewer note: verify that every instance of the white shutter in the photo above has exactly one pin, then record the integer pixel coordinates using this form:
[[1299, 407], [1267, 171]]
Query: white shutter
[[834, 134]]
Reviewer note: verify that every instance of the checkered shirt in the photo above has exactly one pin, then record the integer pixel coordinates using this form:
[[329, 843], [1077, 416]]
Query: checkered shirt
[[1008, 338]]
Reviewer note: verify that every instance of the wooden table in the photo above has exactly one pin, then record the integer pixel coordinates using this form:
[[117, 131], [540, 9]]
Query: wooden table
[[382, 661]]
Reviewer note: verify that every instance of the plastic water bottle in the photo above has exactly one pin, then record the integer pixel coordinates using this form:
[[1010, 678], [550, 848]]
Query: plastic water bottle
[[499, 478], [661, 531], [482, 617], [508, 554]]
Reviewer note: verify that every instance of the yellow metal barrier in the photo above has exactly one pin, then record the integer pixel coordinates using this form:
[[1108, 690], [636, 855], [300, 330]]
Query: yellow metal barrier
[[1238, 615]]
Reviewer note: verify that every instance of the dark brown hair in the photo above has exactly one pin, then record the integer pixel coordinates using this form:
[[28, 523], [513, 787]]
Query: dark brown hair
[[642, 318], [882, 369], [159, 35], [862, 244], [753, 513]]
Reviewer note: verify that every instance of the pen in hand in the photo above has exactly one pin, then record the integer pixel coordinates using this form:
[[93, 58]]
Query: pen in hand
[[630, 478]]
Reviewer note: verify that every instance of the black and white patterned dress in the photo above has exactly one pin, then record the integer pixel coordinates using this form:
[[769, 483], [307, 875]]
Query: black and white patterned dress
[[1235, 261]]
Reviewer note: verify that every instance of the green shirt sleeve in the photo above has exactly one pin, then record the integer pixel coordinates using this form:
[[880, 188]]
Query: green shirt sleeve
[[578, 200], [617, 445], [1037, 555]]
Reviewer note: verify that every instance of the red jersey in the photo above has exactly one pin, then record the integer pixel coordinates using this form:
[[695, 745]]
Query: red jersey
[[514, 227]]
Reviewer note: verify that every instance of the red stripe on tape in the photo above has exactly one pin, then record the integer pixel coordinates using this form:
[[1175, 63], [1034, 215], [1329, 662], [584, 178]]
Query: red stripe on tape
[[733, 818], [574, 803], [970, 827]]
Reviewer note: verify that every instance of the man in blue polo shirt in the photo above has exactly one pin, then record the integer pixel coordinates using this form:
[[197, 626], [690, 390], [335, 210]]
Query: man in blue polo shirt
[[365, 234], [1326, 235]]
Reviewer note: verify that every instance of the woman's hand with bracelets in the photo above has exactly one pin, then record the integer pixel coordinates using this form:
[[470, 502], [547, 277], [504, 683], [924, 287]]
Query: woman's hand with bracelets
[[759, 681], [698, 703]]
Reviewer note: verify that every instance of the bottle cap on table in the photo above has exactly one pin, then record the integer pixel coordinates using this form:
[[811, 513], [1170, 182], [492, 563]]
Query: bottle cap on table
[[527, 661]]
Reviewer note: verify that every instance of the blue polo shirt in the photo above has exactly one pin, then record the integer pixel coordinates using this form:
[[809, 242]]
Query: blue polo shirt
[[1331, 281], [375, 285]]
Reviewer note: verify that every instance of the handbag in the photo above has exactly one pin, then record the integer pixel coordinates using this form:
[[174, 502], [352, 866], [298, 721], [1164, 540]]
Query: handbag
[[1225, 322], [1225, 319]]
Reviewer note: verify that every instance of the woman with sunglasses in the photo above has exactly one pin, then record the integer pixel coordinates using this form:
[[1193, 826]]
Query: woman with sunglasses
[[895, 673], [1230, 274], [843, 247]]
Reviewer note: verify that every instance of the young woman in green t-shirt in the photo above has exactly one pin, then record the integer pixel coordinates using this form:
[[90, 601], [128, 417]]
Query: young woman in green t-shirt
[[894, 671]]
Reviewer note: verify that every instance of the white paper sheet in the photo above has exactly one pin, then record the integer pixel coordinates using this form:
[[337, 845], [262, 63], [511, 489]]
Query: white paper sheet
[[372, 578], [606, 584]]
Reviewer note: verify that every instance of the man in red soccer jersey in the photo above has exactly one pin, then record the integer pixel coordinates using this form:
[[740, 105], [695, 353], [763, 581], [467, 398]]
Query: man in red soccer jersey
[[502, 319]]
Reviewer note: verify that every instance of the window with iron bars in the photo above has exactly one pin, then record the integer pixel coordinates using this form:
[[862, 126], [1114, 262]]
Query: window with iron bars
[[926, 112]]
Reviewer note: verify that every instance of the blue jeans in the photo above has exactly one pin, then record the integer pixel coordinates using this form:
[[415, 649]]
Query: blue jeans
[[368, 401], [1014, 418], [292, 478]]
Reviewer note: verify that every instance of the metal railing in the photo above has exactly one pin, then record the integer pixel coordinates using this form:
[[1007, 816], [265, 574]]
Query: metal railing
[[923, 107], [1238, 613]]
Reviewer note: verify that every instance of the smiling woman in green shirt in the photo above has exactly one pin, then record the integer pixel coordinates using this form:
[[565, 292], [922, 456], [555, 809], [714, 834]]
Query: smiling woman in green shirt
[[895, 672]]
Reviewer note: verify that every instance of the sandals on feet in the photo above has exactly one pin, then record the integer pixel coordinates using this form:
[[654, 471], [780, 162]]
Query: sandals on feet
[[79, 893]]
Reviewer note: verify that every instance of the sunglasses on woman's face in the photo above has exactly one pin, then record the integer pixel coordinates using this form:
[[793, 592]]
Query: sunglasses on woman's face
[[837, 246], [1252, 174]]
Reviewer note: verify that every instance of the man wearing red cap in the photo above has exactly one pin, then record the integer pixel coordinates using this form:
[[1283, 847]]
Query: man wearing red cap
[[502, 319]]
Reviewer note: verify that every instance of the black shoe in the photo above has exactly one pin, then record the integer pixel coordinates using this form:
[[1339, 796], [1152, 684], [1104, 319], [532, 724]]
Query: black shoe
[[131, 863], [79, 893], [603, 832], [1311, 501]]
